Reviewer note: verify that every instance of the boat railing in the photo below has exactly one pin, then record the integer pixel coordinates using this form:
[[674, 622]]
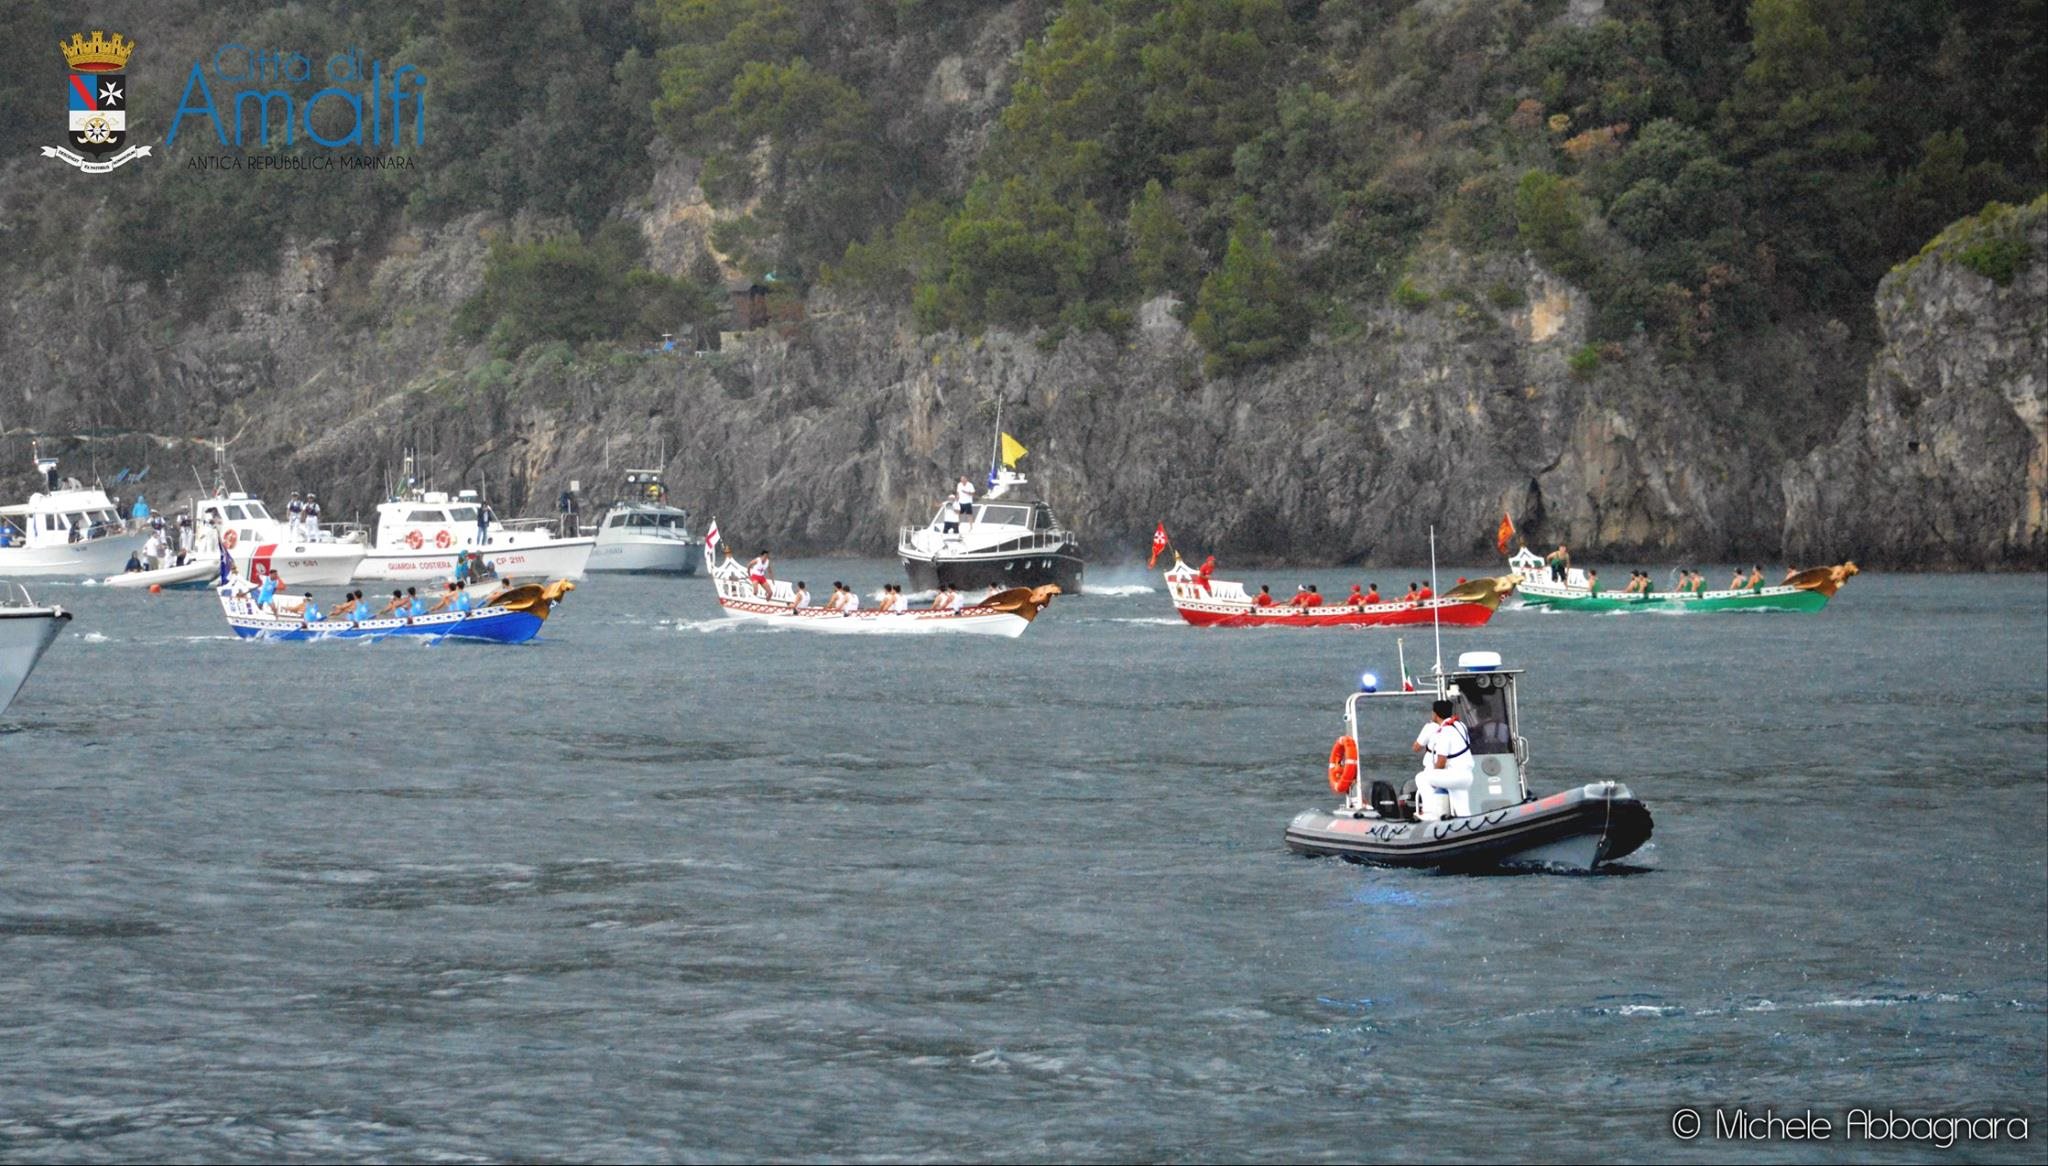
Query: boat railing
[[13, 594], [1037, 540]]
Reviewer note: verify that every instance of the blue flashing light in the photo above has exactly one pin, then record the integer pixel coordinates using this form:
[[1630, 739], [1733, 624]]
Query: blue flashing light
[[1368, 683]]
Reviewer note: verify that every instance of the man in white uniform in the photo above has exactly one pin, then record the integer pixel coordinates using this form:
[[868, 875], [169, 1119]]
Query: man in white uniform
[[1444, 787], [963, 497]]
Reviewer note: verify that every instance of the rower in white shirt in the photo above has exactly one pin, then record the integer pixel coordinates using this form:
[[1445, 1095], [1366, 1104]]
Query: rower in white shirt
[[802, 598]]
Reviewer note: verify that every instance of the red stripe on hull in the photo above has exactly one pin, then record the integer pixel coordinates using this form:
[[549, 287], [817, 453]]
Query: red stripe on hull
[[1461, 615]]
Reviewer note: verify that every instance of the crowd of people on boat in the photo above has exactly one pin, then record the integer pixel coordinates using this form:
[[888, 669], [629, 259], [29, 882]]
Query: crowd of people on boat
[[1690, 582], [1306, 595], [271, 597], [761, 579]]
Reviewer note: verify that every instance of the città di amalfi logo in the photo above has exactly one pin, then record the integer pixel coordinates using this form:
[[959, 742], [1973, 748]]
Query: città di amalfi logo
[[96, 100]]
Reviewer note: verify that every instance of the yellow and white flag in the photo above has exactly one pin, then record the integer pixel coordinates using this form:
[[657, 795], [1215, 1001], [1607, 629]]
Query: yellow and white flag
[[1012, 450]]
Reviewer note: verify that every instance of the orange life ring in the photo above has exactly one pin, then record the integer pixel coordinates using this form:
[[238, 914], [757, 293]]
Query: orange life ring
[[413, 539], [228, 540], [444, 540], [1343, 764]]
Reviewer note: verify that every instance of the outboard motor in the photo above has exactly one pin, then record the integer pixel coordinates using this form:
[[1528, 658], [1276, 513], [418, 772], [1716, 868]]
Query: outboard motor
[[1386, 804]]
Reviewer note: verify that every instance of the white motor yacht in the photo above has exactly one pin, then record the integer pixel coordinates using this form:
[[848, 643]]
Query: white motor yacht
[[253, 539], [420, 536], [1004, 542], [642, 533], [26, 631], [68, 530]]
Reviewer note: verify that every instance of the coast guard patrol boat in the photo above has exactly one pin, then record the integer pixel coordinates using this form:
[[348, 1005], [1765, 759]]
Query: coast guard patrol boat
[[1497, 822]]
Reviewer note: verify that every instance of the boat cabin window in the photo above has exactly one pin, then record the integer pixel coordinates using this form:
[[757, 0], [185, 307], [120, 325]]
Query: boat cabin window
[[616, 520], [1041, 518], [234, 513], [426, 516], [463, 514], [1484, 709], [257, 512], [672, 522], [1003, 515]]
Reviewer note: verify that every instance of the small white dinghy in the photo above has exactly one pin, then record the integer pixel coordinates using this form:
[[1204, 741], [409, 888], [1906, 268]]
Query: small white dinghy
[[193, 576]]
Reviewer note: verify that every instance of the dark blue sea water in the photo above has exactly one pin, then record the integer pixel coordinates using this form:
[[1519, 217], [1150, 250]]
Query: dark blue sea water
[[652, 887]]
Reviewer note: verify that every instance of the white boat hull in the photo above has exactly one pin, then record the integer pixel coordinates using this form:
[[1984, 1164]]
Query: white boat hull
[[914, 622], [309, 564], [191, 574], [658, 556], [80, 560], [25, 634], [565, 558]]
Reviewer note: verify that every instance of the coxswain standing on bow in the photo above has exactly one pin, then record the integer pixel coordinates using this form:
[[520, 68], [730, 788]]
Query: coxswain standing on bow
[[1203, 572], [761, 572]]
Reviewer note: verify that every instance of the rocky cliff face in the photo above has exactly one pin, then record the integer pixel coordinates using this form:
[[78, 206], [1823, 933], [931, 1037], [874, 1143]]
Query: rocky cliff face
[[1945, 463], [824, 437]]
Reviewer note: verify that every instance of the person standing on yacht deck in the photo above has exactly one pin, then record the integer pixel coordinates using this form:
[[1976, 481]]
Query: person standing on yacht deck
[[484, 517], [293, 510], [949, 517], [963, 496]]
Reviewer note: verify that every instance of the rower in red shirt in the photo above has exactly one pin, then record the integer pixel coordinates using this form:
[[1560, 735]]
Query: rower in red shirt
[[1372, 593], [1300, 596], [1315, 598], [1412, 592], [1424, 594], [1356, 598], [1264, 598]]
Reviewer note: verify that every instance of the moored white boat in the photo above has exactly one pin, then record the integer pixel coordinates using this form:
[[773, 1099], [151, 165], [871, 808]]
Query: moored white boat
[[193, 576], [1005, 613], [26, 631], [68, 530], [642, 534], [260, 544], [420, 537]]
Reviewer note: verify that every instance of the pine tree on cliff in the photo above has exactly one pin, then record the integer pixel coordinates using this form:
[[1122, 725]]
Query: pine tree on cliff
[[1249, 310], [1162, 257]]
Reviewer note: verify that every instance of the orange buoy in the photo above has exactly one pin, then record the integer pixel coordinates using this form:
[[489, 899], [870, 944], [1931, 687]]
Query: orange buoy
[[1343, 764], [156, 589]]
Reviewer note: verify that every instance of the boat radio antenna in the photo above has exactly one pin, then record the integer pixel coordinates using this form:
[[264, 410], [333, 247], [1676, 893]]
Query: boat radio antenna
[[1436, 612], [995, 443]]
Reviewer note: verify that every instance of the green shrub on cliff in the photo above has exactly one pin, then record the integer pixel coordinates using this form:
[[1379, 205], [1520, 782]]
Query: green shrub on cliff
[[1248, 311], [567, 290]]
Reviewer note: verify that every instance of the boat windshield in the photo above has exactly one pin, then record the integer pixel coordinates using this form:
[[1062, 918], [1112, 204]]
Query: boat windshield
[[1003, 516], [257, 512], [1484, 709], [463, 514], [234, 513]]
